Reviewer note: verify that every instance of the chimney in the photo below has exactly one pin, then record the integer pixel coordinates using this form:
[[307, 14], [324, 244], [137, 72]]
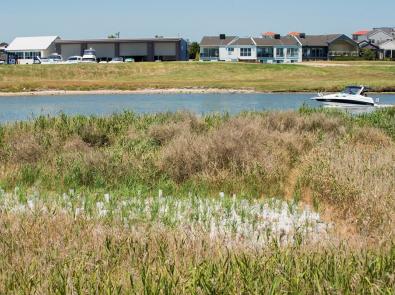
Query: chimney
[[222, 36]]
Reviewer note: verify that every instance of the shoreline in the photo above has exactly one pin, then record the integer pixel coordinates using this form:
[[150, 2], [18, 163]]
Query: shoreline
[[149, 91], [123, 92]]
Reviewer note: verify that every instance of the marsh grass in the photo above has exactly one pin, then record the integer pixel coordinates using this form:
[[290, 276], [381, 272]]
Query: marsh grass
[[132, 222], [88, 257]]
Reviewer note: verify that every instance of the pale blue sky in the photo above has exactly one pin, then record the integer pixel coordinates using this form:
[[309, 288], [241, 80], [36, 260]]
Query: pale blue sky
[[189, 19]]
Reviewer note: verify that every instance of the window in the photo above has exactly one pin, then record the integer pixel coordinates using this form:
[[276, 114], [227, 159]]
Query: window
[[279, 52], [209, 52], [292, 52], [265, 51], [245, 51], [230, 51]]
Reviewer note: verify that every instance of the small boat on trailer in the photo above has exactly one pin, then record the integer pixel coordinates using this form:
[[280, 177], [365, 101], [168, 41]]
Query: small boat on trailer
[[351, 96]]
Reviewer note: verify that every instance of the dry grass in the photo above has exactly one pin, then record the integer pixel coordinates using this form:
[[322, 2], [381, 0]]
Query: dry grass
[[87, 257], [331, 160], [358, 180]]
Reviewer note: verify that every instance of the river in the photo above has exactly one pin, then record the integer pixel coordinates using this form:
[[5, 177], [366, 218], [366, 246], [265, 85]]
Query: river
[[28, 107]]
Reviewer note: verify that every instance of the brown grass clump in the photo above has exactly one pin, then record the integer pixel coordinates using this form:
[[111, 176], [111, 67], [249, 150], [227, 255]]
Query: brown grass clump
[[358, 181], [23, 147], [240, 147]]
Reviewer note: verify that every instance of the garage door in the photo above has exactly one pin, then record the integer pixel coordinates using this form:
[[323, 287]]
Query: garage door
[[103, 50], [68, 50], [165, 49], [133, 49]]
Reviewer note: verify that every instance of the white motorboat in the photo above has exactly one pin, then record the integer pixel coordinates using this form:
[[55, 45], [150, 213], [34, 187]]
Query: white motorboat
[[89, 56], [351, 96]]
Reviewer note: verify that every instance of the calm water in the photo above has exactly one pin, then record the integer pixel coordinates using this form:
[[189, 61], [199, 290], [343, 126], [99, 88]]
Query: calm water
[[24, 108]]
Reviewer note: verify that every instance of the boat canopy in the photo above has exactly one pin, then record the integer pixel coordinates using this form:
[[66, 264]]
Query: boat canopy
[[355, 90]]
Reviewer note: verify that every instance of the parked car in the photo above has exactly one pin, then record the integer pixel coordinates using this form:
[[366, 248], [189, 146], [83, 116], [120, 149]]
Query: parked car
[[2, 62], [74, 59], [116, 60], [129, 59]]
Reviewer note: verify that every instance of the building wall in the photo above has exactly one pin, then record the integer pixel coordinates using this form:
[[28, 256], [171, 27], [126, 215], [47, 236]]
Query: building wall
[[67, 50], [165, 49], [133, 49], [103, 50]]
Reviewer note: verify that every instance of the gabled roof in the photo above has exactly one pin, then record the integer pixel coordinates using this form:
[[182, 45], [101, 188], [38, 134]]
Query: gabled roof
[[31, 43], [216, 40], [269, 34], [376, 31], [283, 41], [366, 44], [323, 40]]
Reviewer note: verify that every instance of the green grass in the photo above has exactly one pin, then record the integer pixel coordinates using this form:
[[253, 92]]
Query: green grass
[[259, 77]]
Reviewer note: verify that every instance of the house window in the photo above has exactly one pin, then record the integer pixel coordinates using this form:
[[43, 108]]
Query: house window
[[265, 51], [292, 52], [209, 52], [279, 52], [245, 51], [230, 51]]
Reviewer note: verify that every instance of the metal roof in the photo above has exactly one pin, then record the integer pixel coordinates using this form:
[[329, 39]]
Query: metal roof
[[31, 43], [113, 40]]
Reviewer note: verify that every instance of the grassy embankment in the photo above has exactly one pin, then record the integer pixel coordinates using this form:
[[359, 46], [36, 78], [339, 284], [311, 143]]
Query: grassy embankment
[[188, 239], [380, 76]]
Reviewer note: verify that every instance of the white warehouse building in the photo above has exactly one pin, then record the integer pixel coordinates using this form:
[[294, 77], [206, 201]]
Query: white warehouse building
[[26, 49]]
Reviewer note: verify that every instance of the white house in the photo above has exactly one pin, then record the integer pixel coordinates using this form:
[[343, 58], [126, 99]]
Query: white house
[[388, 49], [26, 49], [263, 49]]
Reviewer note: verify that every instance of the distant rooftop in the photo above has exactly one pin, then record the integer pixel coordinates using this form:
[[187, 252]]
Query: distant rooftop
[[361, 33]]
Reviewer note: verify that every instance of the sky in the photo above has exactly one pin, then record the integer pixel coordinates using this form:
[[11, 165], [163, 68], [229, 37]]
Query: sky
[[74, 19]]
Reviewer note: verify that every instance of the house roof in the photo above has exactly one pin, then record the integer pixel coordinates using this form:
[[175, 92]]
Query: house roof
[[283, 41], [293, 34], [269, 34], [376, 31], [388, 30], [365, 44], [243, 41], [216, 41], [322, 40], [361, 33], [31, 43]]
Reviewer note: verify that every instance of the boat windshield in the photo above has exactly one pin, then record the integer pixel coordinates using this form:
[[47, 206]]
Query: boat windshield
[[89, 52], [352, 90]]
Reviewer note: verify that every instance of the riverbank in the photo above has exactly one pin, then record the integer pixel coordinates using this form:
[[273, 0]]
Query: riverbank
[[169, 201], [195, 77], [123, 92]]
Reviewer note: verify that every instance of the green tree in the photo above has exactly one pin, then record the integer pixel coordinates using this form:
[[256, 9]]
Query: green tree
[[368, 54], [194, 50], [114, 36]]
